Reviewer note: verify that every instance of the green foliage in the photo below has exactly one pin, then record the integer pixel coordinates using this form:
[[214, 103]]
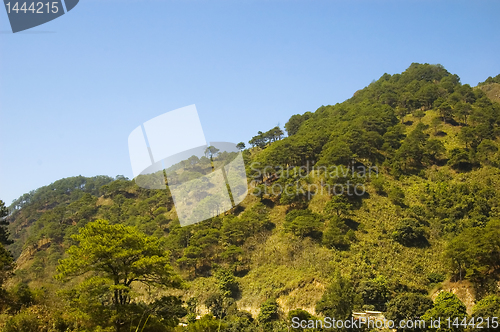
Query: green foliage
[[476, 251], [4, 233], [379, 184], [219, 305], [487, 153], [69, 187], [241, 321], [300, 314], [409, 232], [460, 160], [262, 139], [6, 265], [268, 313], [240, 146], [387, 124], [207, 323], [293, 125], [119, 253], [375, 292], [406, 307], [397, 196], [419, 114], [392, 138], [434, 150], [169, 309], [22, 296], [235, 230], [234, 256], [487, 308], [490, 80], [436, 124], [446, 306], [23, 322], [303, 223], [338, 206], [417, 150], [435, 277], [338, 300], [445, 111], [334, 236], [226, 282], [458, 205], [116, 256]]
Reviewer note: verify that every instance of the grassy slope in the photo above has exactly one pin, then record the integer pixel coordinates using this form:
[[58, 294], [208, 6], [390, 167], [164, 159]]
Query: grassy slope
[[492, 90], [297, 270]]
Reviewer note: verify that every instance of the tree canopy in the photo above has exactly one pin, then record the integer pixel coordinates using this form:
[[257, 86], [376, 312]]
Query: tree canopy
[[114, 257]]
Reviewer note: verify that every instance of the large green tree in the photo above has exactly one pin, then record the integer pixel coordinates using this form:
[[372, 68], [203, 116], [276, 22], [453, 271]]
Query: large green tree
[[113, 258]]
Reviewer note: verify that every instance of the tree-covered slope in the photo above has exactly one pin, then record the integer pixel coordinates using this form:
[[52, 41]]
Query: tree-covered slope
[[388, 196]]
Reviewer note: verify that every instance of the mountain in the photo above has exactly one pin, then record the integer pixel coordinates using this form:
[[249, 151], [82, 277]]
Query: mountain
[[390, 196]]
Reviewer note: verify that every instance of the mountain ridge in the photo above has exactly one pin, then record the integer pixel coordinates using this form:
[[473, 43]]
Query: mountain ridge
[[435, 144]]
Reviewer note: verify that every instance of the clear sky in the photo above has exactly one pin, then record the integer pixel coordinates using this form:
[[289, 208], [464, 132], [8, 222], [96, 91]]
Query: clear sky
[[73, 89]]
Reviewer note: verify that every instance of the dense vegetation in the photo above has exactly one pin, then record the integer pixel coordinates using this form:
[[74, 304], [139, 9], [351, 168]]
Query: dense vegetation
[[388, 201]]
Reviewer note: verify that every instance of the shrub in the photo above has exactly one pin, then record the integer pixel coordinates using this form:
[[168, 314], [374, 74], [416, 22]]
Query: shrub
[[207, 323], [338, 299], [487, 307], [407, 306], [397, 196], [23, 322], [303, 223], [304, 226], [435, 277], [408, 232], [379, 184], [268, 312], [460, 160], [447, 306], [299, 314], [375, 292], [226, 282], [334, 236]]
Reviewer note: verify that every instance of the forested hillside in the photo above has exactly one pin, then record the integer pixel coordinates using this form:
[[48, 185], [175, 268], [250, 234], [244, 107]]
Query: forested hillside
[[377, 203]]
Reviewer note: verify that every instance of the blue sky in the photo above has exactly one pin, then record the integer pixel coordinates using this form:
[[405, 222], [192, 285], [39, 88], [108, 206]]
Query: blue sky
[[72, 90]]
